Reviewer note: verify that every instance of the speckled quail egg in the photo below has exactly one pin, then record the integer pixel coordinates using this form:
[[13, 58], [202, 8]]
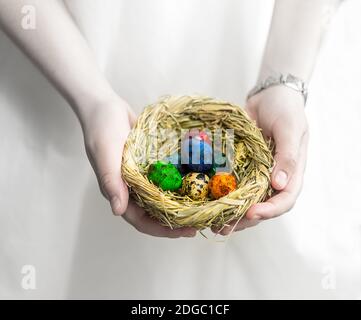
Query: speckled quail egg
[[195, 186]]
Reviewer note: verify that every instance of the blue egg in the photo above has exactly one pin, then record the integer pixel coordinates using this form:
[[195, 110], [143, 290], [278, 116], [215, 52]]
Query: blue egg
[[197, 154]]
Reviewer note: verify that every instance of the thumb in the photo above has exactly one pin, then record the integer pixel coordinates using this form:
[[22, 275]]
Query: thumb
[[287, 142], [115, 190], [106, 161]]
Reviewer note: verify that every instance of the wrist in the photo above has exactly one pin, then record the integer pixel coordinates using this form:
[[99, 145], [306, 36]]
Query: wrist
[[92, 106], [98, 110], [85, 103], [272, 68], [109, 116], [281, 79]]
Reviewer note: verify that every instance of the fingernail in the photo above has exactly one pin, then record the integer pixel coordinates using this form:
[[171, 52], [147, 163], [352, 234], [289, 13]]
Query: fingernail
[[256, 217], [115, 204], [281, 179]]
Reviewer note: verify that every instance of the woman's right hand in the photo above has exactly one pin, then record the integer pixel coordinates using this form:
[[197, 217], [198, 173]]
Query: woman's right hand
[[106, 128]]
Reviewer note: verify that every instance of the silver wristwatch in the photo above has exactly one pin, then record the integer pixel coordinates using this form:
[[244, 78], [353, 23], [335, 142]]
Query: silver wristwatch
[[287, 80]]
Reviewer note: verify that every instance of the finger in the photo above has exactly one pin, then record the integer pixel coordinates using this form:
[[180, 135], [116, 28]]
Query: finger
[[145, 224], [278, 204], [115, 190], [274, 207], [106, 160], [285, 200], [288, 140]]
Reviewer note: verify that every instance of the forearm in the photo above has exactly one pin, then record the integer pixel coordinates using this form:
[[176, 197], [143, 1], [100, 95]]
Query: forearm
[[57, 47], [295, 35]]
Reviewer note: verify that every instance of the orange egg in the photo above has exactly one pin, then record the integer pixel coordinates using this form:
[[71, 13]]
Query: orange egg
[[221, 184]]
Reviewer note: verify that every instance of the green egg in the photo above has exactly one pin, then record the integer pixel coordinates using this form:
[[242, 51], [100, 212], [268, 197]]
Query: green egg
[[165, 175], [155, 172]]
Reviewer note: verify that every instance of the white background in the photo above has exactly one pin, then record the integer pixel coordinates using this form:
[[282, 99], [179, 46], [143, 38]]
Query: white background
[[53, 217]]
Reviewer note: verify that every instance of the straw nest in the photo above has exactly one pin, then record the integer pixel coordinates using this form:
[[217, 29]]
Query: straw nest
[[251, 165]]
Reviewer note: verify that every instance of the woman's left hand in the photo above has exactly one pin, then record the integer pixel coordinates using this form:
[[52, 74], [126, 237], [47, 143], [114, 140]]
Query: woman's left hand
[[279, 112]]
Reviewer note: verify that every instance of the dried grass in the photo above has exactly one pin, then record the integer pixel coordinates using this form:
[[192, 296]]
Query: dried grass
[[252, 163]]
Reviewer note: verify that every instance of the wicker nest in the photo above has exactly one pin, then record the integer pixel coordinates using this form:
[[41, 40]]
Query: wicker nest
[[251, 166]]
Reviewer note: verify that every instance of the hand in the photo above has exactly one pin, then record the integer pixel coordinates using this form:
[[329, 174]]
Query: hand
[[279, 112], [105, 122], [106, 128]]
